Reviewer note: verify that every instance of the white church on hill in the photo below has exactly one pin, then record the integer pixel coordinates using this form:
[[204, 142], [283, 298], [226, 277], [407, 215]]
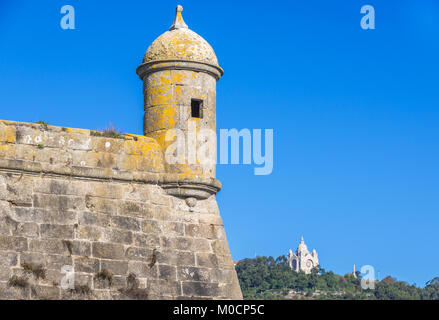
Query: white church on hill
[[302, 259]]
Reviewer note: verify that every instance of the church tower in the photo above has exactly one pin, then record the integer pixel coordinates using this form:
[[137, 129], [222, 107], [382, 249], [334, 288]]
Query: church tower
[[179, 74]]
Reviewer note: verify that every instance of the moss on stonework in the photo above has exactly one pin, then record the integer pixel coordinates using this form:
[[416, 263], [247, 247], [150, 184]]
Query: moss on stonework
[[104, 275], [81, 289], [36, 269], [44, 124], [18, 282], [132, 290], [109, 132]]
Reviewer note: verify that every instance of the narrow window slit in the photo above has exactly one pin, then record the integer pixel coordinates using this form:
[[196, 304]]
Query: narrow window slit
[[197, 108]]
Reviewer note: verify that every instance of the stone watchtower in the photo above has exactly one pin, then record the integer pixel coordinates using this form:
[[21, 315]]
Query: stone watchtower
[[112, 209], [179, 73]]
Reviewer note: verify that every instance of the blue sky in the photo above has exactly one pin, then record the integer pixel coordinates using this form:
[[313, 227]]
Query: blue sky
[[354, 112]]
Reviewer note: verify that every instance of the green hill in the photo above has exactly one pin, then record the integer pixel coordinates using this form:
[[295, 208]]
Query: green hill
[[267, 278]]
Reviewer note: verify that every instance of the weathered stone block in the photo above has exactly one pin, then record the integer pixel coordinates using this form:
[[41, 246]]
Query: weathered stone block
[[32, 257], [167, 272], [162, 213], [55, 261], [135, 209], [5, 273], [7, 133], [152, 227], [27, 229], [86, 264], [185, 243], [8, 151], [19, 194], [108, 251], [3, 187], [224, 261], [174, 257], [210, 219], [8, 226], [115, 267], [80, 248], [13, 293], [58, 202], [146, 240], [142, 269], [60, 186], [176, 229], [45, 293], [224, 276], [200, 289], [8, 258], [106, 190], [135, 193], [208, 260], [55, 246], [56, 231], [140, 254], [89, 233], [162, 288], [52, 216], [13, 243], [100, 205], [220, 247], [94, 219], [194, 274], [158, 197], [208, 231], [127, 223], [117, 236], [230, 290]]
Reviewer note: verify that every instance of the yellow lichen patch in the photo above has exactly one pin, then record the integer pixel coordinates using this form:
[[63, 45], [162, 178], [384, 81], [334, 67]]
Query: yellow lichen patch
[[7, 151], [159, 94], [159, 137], [77, 131], [180, 44], [142, 155], [107, 145], [145, 163], [7, 133], [163, 117], [178, 76], [157, 78], [182, 95], [8, 122], [164, 80], [178, 91], [139, 147]]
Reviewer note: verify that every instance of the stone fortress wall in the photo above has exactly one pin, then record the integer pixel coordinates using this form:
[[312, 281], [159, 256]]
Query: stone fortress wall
[[71, 198]]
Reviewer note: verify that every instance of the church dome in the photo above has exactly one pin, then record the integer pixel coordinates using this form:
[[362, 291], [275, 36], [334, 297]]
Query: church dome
[[180, 43], [302, 246]]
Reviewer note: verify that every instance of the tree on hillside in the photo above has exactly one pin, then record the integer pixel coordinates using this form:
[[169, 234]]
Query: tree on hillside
[[431, 291], [269, 278]]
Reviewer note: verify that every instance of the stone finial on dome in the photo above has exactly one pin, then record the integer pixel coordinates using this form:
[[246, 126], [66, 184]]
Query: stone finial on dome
[[178, 20]]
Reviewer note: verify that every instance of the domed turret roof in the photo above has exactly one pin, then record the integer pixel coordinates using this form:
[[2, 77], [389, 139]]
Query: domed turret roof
[[180, 43]]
